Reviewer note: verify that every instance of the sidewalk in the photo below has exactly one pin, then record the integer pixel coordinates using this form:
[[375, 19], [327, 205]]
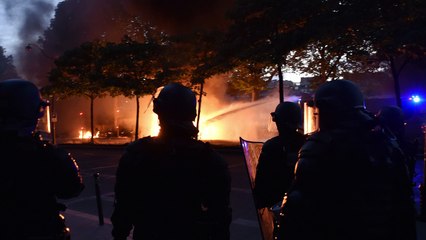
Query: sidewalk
[[86, 226]]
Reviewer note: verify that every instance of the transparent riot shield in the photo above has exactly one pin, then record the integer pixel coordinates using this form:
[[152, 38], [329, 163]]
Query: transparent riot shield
[[265, 216]]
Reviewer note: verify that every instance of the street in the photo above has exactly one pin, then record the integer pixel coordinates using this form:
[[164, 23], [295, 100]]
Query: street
[[82, 213]]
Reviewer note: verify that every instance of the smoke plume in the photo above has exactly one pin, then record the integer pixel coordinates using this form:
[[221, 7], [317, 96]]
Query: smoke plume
[[24, 20], [76, 22]]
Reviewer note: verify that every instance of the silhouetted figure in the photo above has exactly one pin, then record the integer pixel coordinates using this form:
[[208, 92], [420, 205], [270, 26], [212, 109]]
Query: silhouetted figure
[[172, 186], [391, 119], [34, 172], [275, 170], [350, 182]]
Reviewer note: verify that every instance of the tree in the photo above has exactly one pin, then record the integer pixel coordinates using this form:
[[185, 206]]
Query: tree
[[198, 58], [134, 69], [249, 78], [7, 69], [267, 31], [397, 35], [80, 72], [329, 58], [390, 31]]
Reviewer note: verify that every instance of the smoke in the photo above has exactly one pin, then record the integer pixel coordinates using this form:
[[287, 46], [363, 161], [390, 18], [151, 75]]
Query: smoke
[[22, 21], [222, 117], [35, 17], [225, 118], [76, 22]]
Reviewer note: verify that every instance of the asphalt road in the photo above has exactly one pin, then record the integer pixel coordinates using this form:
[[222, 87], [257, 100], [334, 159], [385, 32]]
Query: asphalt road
[[82, 213]]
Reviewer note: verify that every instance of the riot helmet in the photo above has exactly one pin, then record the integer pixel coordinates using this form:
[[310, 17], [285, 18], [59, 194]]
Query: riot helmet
[[175, 102], [288, 115], [392, 118], [20, 105], [339, 95], [339, 100]]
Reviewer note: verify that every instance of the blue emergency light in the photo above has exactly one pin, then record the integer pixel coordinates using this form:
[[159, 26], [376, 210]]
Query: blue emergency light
[[415, 99]]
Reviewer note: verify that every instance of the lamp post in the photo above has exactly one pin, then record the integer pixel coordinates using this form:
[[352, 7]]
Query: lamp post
[[52, 116]]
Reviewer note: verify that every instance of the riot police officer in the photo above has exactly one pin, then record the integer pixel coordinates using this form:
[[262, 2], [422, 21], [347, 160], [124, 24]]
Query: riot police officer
[[35, 173], [392, 121], [172, 186], [275, 169], [350, 181]]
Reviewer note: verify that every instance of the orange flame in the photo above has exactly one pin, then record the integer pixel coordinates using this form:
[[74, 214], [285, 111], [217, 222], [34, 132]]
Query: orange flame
[[87, 134]]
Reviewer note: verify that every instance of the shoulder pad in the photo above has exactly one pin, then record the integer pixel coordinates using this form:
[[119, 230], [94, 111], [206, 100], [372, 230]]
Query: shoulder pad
[[320, 136], [140, 144], [205, 145], [316, 144]]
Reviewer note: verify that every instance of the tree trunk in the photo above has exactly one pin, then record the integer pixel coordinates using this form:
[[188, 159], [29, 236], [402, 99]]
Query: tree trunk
[[281, 82], [53, 119], [395, 75], [199, 106], [254, 95], [117, 129], [137, 118], [92, 99]]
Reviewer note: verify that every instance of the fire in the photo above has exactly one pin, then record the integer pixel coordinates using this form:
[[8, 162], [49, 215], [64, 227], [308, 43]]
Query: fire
[[249, 120], [155, 125], [87, 134], [310, 123], [210, 131]]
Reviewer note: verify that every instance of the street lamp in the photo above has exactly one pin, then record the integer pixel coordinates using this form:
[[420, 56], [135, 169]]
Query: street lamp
[[29, 47], [52, 117]]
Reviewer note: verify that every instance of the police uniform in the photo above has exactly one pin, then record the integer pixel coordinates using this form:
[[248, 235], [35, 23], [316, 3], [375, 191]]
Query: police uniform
[[34, 172], [349, 185], [34, 175], [169, 189], [351, 182], [172, 186], [275, 170]]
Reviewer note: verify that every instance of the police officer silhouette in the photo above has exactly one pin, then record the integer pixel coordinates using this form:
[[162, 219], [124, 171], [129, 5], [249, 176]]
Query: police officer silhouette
[[350, 181], [275, 169], [172, 186], [35, 173]]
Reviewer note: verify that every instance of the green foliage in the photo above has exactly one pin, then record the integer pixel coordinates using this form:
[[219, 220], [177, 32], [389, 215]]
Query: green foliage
[[196, 54], [249, 79], [131, 69], [329, 58], [80, 71], [7, 69], [327, 38]]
